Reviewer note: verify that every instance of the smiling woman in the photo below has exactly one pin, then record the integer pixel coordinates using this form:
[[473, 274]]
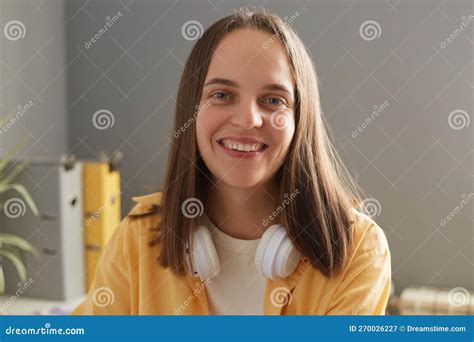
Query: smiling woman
[[258, 152]]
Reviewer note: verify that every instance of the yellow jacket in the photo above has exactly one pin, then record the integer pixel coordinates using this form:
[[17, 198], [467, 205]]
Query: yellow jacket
[[129, 281]]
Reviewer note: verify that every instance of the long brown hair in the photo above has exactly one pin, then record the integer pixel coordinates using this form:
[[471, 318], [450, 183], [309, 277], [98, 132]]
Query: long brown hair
[[318, 219]]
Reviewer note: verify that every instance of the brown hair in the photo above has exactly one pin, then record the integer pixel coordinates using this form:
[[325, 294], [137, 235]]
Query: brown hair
[[318, 220]]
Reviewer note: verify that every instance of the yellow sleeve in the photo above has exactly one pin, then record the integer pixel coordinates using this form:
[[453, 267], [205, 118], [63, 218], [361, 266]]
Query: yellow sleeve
[[365, 286], [109, 293]]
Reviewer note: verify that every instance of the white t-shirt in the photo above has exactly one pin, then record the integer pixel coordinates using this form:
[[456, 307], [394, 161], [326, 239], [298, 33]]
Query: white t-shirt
[[239, 287]]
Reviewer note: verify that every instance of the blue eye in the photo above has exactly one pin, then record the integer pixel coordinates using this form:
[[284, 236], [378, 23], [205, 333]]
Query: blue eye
[[273, 103], [220, 97]]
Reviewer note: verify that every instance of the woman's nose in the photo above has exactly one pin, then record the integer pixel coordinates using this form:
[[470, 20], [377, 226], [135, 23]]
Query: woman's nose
[[247, 116]]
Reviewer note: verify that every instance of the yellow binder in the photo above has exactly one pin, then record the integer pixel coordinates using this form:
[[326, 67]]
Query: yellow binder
[[101, 187]]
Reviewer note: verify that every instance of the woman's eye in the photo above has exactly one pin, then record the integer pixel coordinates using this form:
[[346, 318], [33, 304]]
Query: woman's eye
[[274, 101], [221, 95]]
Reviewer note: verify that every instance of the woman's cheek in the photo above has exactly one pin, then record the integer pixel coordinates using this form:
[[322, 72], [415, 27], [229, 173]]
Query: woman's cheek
[[201, 133], [284, 136], [205, 128], [289, 135]]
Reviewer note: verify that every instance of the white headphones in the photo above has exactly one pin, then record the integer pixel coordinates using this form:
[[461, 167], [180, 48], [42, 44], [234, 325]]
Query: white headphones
[[276, 257]]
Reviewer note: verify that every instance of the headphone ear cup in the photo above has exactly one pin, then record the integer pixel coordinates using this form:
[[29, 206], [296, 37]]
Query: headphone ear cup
[[204, 261], [276, 256], [260, 252]]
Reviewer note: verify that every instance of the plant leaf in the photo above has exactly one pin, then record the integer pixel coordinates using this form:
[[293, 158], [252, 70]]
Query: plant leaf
[[7, 117], [13, 240], [20, 267], [24, 193], [13, 173], [9, 155], [2, 280]]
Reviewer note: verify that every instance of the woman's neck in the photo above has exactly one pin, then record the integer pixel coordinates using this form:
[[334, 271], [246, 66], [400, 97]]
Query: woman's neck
[[240, 213]]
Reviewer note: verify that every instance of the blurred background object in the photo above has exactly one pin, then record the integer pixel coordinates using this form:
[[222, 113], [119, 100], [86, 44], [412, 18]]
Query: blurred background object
[[11, 244], [56, 232], [432, 301], [101, 188]]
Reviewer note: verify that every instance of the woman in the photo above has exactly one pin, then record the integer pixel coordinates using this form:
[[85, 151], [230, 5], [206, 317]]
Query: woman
[[257, 212]]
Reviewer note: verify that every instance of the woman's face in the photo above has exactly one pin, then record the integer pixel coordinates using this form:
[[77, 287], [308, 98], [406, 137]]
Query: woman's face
[[245, 120]]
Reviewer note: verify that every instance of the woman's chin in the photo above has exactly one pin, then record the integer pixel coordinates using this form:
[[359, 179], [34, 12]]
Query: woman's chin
[[243, 181]]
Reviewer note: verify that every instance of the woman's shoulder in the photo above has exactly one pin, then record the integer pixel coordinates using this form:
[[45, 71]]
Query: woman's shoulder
[[368, 236], [368, 242], [145, 204], [139, 226]]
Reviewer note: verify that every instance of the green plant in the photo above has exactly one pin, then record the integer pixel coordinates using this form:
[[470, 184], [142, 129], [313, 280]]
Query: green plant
[[10, 244]]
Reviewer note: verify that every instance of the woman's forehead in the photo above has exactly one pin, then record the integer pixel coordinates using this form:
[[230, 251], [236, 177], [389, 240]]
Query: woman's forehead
[[246, 53]]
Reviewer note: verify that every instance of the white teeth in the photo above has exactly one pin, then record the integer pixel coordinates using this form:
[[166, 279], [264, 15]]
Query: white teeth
[[242, 147]]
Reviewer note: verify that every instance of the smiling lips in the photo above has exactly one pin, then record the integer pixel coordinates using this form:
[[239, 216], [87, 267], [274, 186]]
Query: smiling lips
[[240, 147]]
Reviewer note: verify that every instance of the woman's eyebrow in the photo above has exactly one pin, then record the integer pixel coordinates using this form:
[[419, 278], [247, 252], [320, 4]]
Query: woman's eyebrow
[[277, 86], [223, 81], [230, 83]]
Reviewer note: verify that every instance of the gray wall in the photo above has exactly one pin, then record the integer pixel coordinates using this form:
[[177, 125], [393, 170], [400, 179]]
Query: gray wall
[[33, 68], [411, 156]]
